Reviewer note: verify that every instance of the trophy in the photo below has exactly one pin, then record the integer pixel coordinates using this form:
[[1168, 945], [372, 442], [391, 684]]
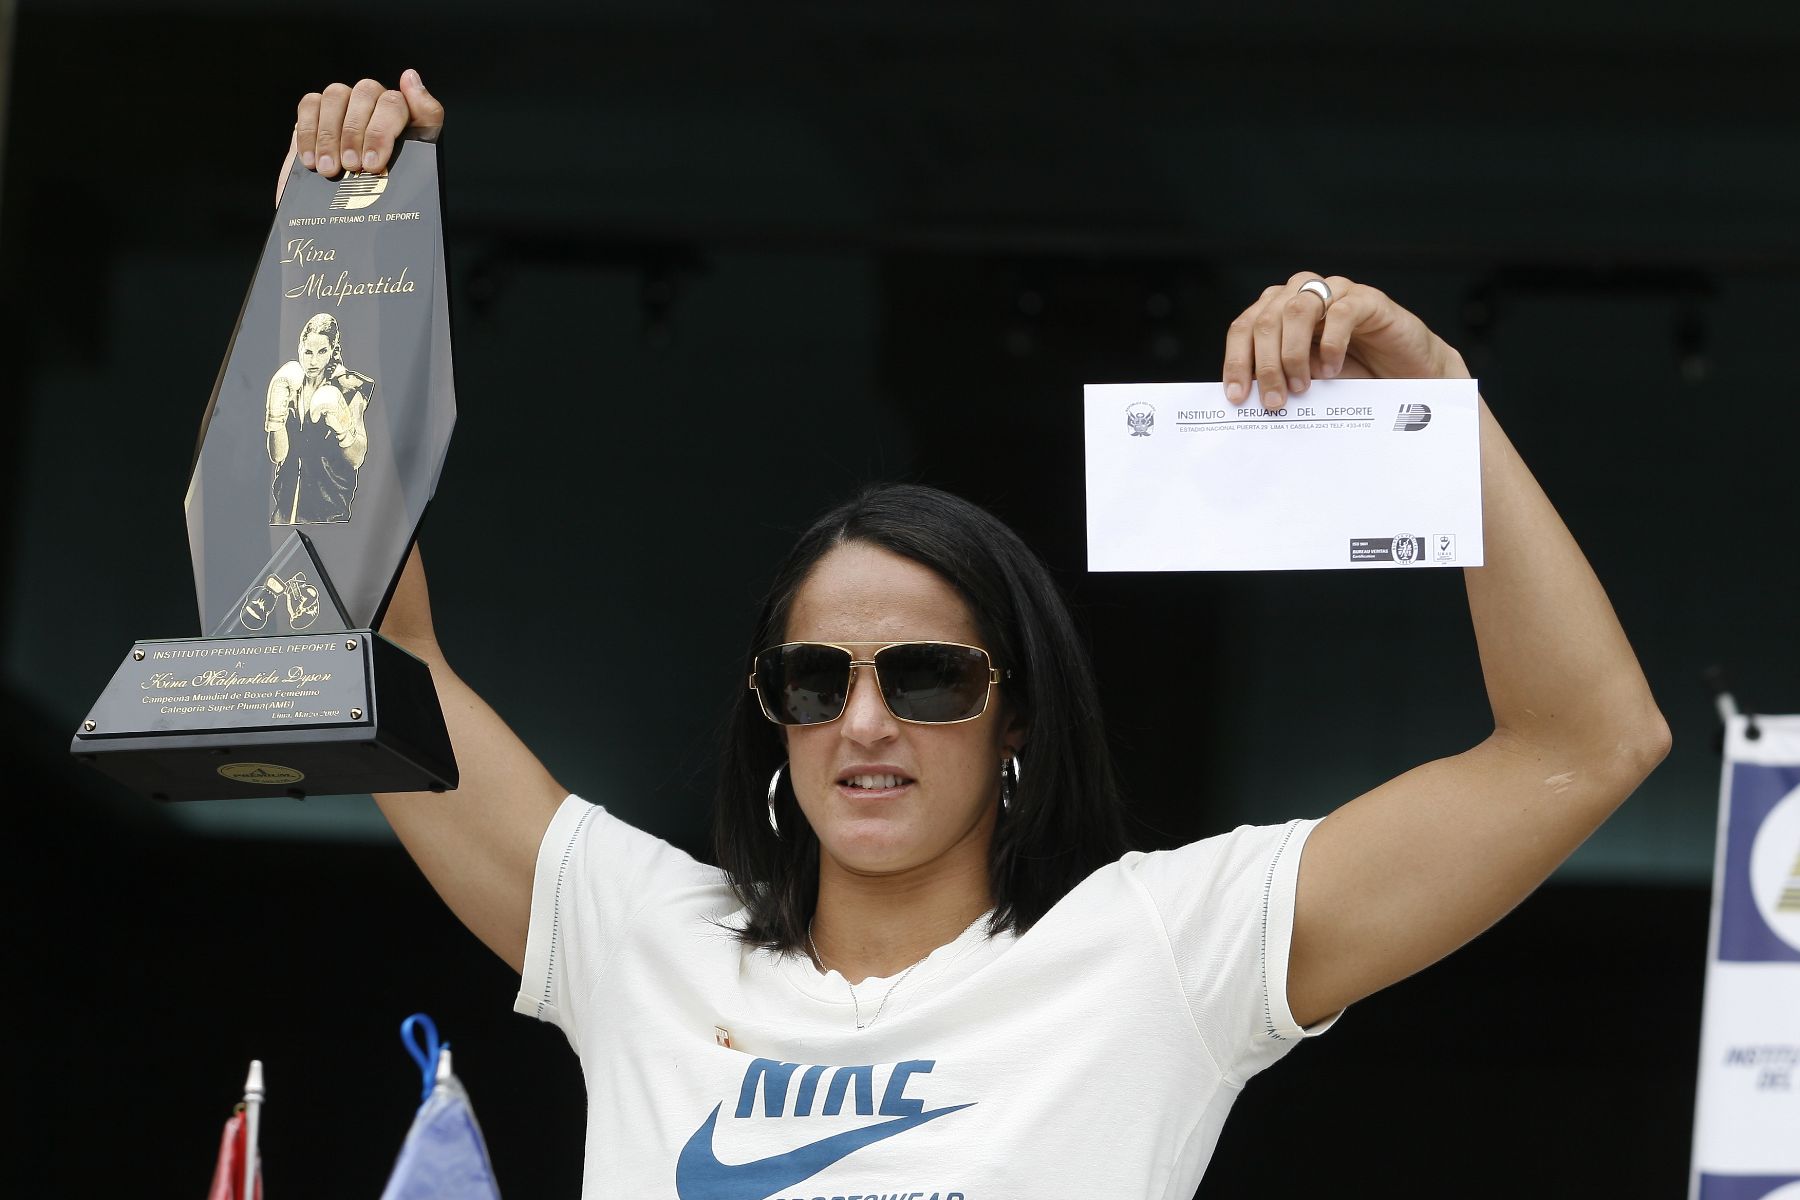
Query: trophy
[[319, 451]]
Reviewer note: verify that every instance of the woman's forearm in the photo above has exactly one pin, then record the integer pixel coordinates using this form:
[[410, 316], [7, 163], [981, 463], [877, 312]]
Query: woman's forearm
[[1558, 668], [408, 617]]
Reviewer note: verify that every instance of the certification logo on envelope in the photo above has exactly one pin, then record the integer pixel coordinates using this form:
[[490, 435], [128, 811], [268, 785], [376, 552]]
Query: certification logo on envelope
[[1357, 473]]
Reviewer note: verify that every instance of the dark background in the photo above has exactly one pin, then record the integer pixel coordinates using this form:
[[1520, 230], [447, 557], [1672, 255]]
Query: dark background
[[716, 265]]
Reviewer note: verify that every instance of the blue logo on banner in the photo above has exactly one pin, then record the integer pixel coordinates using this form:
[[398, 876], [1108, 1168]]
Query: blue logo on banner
[[1744, 1187], [1744, 936]]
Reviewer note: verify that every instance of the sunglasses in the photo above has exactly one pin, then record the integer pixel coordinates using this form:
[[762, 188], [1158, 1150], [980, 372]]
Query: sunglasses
[[922, 683]]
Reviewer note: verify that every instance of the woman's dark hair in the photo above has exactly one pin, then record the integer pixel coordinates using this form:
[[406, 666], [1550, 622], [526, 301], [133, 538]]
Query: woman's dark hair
[[1064, 819]]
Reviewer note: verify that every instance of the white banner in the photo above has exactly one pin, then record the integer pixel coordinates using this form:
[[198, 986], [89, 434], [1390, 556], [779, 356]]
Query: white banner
[[1747, 1112]]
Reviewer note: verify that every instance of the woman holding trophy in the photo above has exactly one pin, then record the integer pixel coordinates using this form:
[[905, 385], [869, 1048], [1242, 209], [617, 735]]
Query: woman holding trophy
[[924, 958]]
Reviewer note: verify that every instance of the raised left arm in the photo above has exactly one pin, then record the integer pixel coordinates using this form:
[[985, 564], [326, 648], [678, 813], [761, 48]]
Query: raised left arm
[[1401, 876]]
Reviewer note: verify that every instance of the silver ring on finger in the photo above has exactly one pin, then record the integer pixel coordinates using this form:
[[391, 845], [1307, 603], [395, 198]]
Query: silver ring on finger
[[1319, 288]]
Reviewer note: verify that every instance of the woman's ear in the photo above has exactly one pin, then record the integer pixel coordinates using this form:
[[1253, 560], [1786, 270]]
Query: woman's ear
[[1013, 740]]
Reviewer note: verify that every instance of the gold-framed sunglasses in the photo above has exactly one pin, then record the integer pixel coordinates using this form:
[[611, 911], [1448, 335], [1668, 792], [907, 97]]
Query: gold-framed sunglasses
[[922, 683]]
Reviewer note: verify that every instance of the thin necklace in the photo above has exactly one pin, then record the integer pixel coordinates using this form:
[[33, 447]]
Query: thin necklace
[[856, 1007]]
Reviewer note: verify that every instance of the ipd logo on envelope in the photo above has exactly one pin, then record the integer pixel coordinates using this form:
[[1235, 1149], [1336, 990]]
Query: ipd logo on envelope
[[1412, 418]]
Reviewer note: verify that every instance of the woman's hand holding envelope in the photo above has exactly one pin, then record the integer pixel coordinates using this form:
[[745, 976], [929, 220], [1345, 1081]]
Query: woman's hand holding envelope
[[1290, 337]]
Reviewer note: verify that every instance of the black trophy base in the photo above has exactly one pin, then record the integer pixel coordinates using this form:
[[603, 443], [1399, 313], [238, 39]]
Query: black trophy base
[[295, 715]]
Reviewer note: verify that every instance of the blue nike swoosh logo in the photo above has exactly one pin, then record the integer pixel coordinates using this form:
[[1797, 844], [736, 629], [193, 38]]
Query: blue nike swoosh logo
[[699, 1175]]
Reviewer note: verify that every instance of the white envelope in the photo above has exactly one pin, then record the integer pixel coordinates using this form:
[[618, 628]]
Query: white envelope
[[1380, 473]]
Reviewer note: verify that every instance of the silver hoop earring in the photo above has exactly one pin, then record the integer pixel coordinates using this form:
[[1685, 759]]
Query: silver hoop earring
[[1009, 780], [775, 782]]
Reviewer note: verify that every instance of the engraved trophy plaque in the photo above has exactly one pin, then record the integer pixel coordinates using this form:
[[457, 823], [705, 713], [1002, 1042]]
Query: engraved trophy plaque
[[319, 450]]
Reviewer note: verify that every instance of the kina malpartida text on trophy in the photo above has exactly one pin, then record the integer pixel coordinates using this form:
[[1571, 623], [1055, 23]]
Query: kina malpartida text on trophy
[[319, 450]]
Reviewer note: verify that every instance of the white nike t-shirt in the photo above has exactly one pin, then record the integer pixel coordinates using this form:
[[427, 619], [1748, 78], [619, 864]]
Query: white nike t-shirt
[[1096, 1055]]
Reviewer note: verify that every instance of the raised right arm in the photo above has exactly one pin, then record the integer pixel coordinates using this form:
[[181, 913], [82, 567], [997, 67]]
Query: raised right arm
[[478, 844]]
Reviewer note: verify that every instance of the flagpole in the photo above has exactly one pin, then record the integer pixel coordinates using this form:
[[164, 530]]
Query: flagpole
[[253, 1098]]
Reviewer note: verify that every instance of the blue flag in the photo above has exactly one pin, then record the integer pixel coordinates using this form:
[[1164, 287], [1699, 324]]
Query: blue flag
[[444, 1157]]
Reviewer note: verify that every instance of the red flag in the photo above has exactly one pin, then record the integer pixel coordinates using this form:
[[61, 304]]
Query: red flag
[[228, 1175]]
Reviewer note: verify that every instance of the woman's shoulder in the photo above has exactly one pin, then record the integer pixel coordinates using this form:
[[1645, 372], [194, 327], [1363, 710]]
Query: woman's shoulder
[[609, 852], [1236, 871], [1230, 851], [1231, 870]]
